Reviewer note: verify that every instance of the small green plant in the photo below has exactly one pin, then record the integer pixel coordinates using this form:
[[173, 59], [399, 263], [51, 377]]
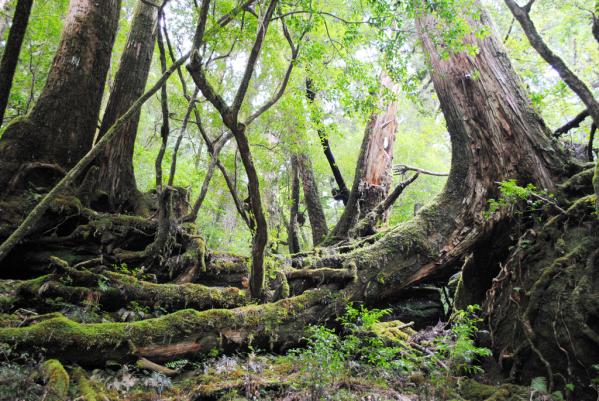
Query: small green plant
[[463, 352], [177, 364], [137, 272], [511, 194], [321, 362]]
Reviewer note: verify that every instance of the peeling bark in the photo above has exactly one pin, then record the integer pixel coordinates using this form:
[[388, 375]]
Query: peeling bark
[[373, 175]]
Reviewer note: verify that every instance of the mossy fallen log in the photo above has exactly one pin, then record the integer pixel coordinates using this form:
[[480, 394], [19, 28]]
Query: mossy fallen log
[[186, 333], [112, 291]]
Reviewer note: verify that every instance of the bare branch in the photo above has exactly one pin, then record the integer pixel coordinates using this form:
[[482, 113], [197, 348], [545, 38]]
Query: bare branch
[[402, 169], [198, 38], [574, 123]]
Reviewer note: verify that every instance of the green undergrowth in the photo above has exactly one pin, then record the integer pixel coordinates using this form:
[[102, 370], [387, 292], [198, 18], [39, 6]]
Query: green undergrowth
[[364, 358]]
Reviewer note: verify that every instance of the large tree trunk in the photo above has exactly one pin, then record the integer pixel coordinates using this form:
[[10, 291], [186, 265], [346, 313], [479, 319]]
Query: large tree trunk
[[10, 58], [373, 176], [116, 176], [61, 127], [318, 221]]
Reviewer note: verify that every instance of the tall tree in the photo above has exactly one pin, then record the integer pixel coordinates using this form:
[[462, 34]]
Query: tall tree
[[12, 49], [230, 116], [60, 129], [116, 175], [373, 175], [318, 221]]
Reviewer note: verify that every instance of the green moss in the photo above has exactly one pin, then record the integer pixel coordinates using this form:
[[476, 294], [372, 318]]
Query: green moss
[[85, 390], [57, 380], [96, 341], [472, 390], [393, 331]]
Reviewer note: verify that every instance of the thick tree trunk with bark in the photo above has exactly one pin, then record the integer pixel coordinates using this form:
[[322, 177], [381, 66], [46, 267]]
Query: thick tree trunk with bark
[[12, 49], [61, 127], [373, 176], [318, 221], [116, 175]]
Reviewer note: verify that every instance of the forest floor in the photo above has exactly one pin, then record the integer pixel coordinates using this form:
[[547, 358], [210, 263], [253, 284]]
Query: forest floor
[[362, 358]]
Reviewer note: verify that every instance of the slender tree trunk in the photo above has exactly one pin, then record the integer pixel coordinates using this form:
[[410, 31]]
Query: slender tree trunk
[[61, 127], [373, 176], [292, 238], [116, 175], [522, 14], [318, 221], [341, 193], [10, 58]]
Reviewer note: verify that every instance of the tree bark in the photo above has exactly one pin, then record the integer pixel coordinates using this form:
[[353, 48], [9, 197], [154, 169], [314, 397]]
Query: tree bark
[[373, 176], [522, 14], [318, 221], [61, 127], [292, 238], [12, 49], [116, 175]]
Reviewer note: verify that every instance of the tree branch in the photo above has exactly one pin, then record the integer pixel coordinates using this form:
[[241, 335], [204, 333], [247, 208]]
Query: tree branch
[[574, 123], [253, 58], [283, 86], [402, 169]]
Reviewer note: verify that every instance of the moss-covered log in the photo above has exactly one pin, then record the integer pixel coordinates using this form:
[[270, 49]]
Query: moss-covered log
[[112, 291], [186, 333]]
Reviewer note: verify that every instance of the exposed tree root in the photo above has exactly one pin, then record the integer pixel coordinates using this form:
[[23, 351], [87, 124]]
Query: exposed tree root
[[551, 286]]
